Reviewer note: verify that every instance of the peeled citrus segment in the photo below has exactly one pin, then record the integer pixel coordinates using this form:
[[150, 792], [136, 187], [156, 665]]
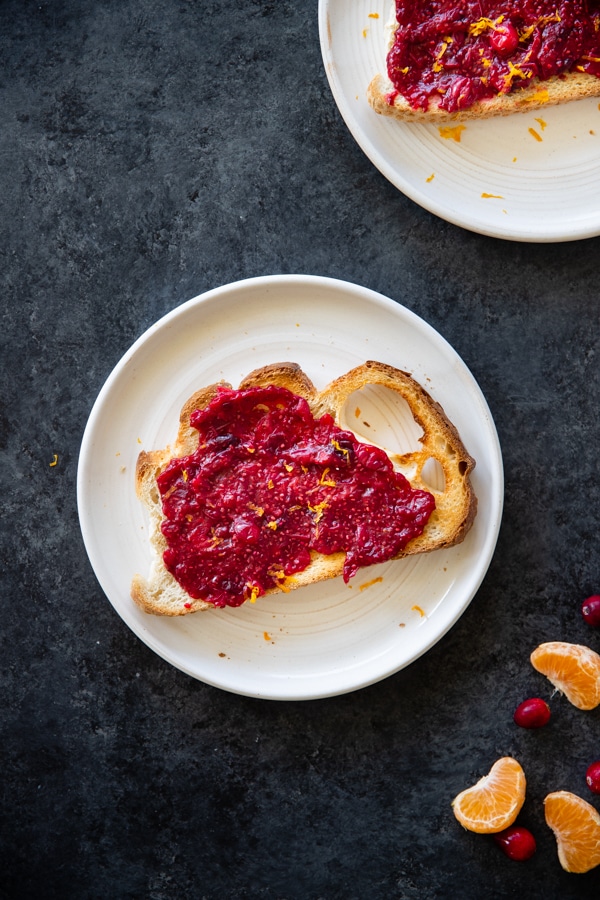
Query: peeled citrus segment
[[494, 802], [576, 827], [573, 669]]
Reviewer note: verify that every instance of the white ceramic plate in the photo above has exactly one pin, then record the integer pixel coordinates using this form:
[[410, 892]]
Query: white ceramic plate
[[328, 638], [539, 170]]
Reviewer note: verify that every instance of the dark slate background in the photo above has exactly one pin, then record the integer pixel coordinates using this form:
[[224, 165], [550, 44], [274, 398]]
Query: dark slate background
[[150, 151]]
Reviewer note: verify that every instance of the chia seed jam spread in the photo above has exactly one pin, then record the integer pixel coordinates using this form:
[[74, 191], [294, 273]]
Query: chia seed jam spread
[[267, 485], [464, 52]]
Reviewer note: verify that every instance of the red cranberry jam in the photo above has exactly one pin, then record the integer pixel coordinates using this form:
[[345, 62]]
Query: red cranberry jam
[[268, 485], [467, 51]]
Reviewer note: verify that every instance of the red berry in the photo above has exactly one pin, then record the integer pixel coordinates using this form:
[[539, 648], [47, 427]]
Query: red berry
[[590, 610], [532, 713], [517, 842], [592, 776], [504, 39]]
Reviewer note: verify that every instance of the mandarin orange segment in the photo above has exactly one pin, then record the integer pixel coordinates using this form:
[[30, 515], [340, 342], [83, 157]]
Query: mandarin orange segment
[[573, 669], [495, 801], [576, 827]]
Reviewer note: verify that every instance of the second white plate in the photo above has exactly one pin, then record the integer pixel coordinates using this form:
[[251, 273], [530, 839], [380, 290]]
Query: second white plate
[[328, 638], [528, 177]]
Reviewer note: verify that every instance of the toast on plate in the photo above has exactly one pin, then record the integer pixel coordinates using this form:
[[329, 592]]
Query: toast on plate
[[323, 462], [478, 60]]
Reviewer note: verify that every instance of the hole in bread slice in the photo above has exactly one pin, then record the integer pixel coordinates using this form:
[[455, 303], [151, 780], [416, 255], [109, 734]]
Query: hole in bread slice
[[432, 475], [378, 415]]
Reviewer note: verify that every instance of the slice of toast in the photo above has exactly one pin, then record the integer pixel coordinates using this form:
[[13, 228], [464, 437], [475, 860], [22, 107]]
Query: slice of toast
[[455, 501], [561, 88]]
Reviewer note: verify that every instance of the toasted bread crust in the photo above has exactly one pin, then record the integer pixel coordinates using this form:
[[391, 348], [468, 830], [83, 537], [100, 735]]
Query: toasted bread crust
[[456, 504], [537, 94]]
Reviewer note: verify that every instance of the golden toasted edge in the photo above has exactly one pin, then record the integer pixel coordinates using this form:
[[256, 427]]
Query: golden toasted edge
[[285, 374], [150, 600], [538, 94], [427, 413]]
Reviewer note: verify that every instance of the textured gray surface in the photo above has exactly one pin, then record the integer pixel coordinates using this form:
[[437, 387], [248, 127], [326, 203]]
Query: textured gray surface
[[151, 151]]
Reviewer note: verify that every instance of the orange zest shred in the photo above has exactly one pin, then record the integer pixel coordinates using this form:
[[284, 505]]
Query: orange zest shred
[[318, 510], [515, 72], [543, 20], [492, 196], [369, 584], [340, 449], [418, 609], [451, 132], [539, 96], [168, 493], [324, 481], [534, 134], [282, 580], [481, 25], [437, 66]]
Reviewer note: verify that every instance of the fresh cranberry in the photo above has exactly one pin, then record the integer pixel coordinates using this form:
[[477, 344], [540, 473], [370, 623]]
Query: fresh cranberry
[[517, 842], [592, 776], [504, 39], [532, 713], [590, 610]]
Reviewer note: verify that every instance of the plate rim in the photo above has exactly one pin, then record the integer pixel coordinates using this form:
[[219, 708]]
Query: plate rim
[[360, 292]]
